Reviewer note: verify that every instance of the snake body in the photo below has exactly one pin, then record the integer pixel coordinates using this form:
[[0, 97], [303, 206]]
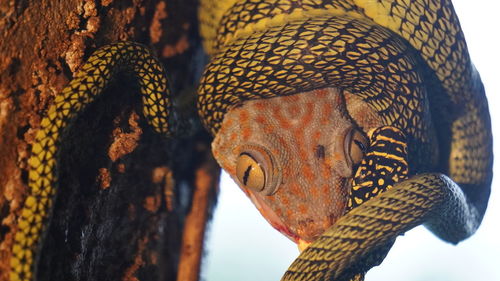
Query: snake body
[[407, 60], [88, 83]]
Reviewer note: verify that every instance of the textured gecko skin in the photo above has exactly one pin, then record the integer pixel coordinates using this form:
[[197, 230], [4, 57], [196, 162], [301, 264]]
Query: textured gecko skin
[[88, 83], [305, 136], [429, 158]]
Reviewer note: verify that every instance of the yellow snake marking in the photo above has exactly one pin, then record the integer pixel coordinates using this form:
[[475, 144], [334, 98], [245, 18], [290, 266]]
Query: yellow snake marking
[[418, 77], [86, 86], [384, 138], [390, 156]]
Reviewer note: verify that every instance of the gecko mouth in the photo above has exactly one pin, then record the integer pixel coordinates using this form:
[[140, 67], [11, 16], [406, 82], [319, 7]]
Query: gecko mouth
[[308, 230], [272, 217]]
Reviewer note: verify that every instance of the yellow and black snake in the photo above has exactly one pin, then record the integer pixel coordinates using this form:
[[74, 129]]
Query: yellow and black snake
[[85, 87], [430, 163]]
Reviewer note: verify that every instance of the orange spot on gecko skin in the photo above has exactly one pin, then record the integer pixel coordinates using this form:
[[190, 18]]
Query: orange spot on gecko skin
[[316, 136], [284, 123], [321, 92], [244, 115], [325, 172], [274, 107], [260, 119], [228, 124], [233, 136], [268, 130], [260, 105], [309, 114], [279, 213], [326, 113], [314, 190], [302, 209], [308, 173], [284, 200], [246, 133], [295, 189], [325, 188]]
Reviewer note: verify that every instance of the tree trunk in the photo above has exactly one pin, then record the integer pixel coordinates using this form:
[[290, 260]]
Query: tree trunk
[[124, 192]]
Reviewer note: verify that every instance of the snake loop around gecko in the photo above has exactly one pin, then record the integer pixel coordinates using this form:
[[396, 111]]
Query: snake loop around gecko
[[426, 162], [408, 62]]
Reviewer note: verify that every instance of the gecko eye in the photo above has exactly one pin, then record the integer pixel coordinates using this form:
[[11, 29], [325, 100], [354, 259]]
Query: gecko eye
[[256, 171], [250, 173], [356, 144]]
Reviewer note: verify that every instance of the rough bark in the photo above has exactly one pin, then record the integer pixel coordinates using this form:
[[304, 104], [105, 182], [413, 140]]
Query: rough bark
[[123, 190]]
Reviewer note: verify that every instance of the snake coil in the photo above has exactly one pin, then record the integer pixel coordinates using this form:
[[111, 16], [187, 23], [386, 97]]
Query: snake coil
[[408, 61]]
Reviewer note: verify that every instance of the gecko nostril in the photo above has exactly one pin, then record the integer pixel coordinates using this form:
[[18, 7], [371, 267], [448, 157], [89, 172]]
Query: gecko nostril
[[320, 151]]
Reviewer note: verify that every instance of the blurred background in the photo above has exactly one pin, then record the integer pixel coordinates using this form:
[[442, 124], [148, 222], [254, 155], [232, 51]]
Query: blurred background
[[242, 246]]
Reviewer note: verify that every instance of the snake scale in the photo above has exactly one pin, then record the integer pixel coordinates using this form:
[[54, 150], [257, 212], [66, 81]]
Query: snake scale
[[427, 159]]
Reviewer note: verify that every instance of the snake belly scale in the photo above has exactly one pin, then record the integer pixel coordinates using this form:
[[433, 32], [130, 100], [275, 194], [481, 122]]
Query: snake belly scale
[[427, 160]]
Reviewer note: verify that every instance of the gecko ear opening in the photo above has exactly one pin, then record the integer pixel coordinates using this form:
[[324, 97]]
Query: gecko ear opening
[[357, 145], [255, 170]]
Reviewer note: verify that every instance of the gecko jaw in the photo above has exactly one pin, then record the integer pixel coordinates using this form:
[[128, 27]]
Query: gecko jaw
[[271, 216]]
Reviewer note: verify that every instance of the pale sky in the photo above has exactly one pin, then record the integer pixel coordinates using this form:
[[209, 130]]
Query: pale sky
[[242, 246]]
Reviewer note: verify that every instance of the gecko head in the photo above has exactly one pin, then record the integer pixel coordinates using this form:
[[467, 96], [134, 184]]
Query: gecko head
[[294, 157]]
